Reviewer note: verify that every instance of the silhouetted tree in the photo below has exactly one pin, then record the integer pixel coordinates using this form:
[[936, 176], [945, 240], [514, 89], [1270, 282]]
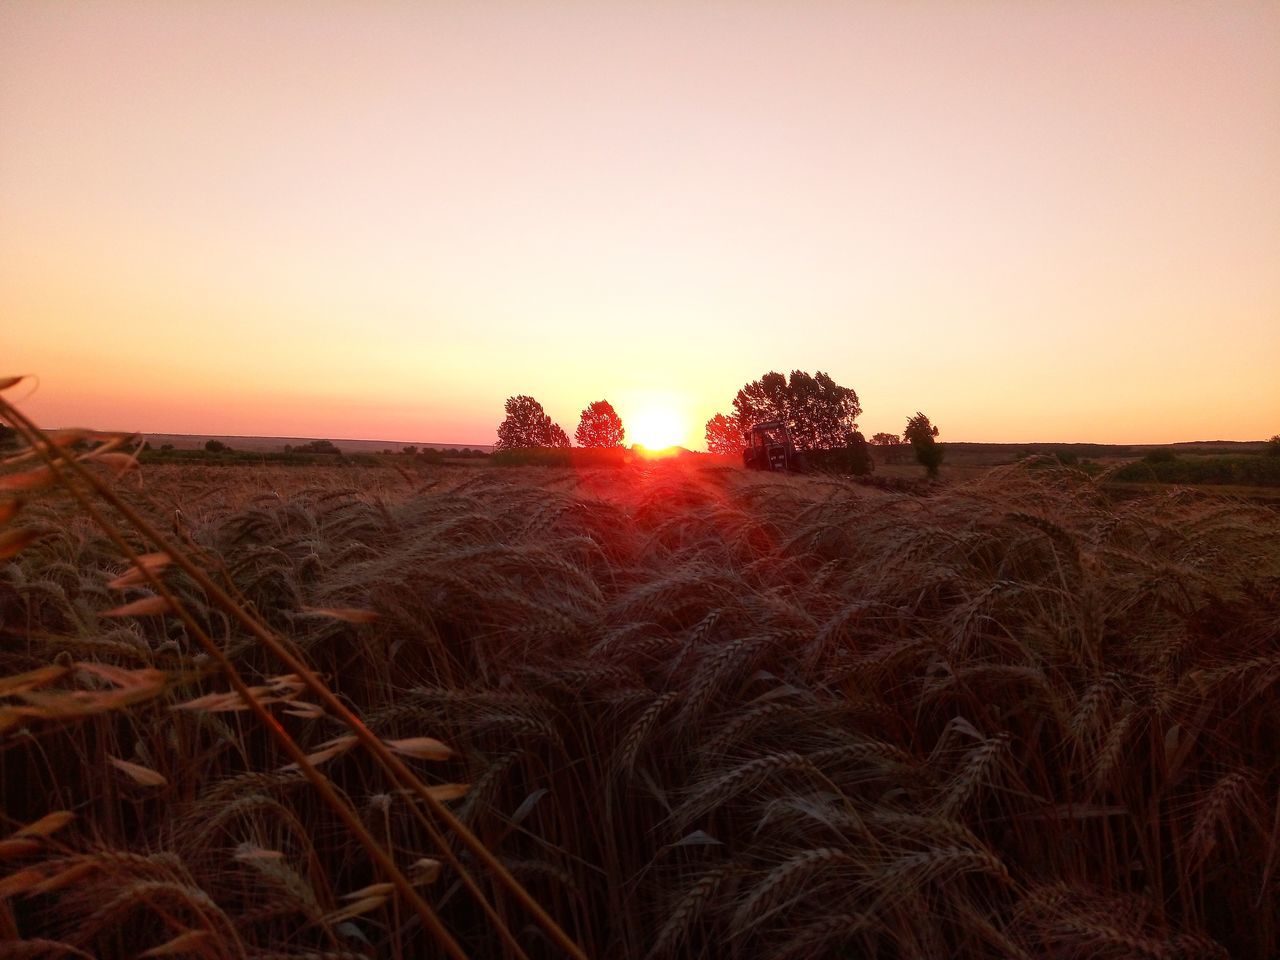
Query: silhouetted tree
[[724, 435], [819, 413], [215, 446], [920, 433], [528, 425], [886, 440], [762, 401], [600, 426], [859, 454], [1273, 446]]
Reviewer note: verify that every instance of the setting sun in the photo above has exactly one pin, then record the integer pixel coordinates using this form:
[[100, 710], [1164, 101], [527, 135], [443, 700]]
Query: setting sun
[[657, 428]]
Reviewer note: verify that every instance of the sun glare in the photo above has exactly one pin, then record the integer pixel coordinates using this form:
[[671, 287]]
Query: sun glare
[[656, 428]]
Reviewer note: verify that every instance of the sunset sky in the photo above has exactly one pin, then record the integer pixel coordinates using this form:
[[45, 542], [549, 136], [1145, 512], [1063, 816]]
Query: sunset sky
[[1031, 220]]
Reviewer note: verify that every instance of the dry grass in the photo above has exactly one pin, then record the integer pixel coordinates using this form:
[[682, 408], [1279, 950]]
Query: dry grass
[[701, 712]]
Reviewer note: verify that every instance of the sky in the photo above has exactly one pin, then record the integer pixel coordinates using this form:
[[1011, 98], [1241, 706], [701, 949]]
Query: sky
[[1052, 221]]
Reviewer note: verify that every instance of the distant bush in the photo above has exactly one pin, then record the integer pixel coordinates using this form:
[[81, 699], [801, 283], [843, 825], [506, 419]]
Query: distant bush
[[1273, 446], [563, 457], [316, 446], [216, 446], [533, 457], [437, 454], [227, 456], [921, 434], [855, 458]]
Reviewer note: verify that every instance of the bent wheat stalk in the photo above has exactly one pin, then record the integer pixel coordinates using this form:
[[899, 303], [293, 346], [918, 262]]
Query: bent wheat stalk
[[348, 817], [166, 600], [56, 458]]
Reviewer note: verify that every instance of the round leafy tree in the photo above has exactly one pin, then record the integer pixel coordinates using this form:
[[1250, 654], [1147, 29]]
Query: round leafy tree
[[921, 434], [820, 414], [724, 435], [600, 426], [528, 425]]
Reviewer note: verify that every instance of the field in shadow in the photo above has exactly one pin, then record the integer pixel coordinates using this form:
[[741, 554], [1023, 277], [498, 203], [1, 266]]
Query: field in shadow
[[700, 713]]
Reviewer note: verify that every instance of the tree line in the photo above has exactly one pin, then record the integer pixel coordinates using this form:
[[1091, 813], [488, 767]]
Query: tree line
[[527, 426], [821, 417]]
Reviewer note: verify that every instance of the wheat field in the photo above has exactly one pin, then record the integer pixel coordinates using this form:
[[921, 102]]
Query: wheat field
[[689, 711]]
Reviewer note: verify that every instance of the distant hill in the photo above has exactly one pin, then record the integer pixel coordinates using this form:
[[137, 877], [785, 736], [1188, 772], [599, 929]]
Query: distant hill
[[191, 441]]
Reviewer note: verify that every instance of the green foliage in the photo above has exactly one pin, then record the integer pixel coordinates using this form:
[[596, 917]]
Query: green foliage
[[528, 426], [889, 448], [318, 446], [724, 435], [819, 413], [533, 457], [600, 427], [563, 457], [229, 457], [921, 434], [1243, 469], [853, 458]]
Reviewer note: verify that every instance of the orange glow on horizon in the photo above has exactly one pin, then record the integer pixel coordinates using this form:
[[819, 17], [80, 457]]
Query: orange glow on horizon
[[1033, 222], [657, 428]]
